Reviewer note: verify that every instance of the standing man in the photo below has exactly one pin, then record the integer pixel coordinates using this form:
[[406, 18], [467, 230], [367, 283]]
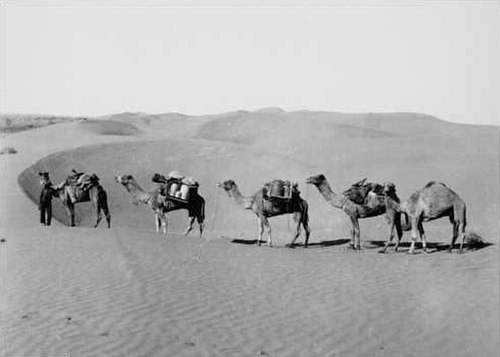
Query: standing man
[[45, 204]]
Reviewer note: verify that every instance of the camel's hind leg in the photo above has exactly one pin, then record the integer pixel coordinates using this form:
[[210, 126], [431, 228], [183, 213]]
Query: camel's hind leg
[[297, 219], [190, 225], [399, 231], [422, 236], [454, 236], [392, 225], [355, 234], [98, 214], [105, 209], [307, 229], [461, 229], [201, 225], [164, 222], [158, 222], [71, 213]]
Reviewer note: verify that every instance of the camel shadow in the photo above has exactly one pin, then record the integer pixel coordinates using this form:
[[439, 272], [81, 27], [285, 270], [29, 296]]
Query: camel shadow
[[433, 247], [321, 244]]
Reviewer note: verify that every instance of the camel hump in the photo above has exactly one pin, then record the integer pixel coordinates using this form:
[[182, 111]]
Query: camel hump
[[432, 183]]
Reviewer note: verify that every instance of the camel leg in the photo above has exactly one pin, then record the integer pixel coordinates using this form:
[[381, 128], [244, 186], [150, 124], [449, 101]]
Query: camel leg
[[190, 225], [308, 233], [399, 231], [353, 233], [391, 236], [454, 237], [157, 222], [98, 215], [261, 230], [105, 209], [201, 225], [356, 241], [268, 230], [461, 229], [165, 222], [108, 216], [422, 236], [71, 212], [296, 219], [414, 234]]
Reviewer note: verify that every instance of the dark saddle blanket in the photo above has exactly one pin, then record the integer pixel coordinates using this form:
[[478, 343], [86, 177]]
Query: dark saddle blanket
[[280, 189], [358, 191]]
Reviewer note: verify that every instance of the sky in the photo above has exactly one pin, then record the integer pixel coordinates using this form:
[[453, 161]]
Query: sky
[[94, 58]]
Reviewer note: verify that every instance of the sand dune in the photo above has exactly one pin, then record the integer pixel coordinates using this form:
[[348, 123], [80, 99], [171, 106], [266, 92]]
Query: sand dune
[[129, 291]]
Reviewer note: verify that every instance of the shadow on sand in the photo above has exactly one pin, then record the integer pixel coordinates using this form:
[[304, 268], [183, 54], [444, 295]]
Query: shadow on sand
[[321, 244], [433, 247]]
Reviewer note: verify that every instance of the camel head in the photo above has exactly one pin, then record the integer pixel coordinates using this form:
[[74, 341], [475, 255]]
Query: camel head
[[44, 178], [389, 188], [227, 186], [124, 179], [316, 179], [159, 178]]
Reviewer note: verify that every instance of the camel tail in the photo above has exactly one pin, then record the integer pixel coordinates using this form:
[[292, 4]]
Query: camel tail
[[306, 213], [202, 209], [405, 222]]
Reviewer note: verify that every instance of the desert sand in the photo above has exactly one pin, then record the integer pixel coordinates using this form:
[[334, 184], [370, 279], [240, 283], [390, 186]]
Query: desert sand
[[129, 291]]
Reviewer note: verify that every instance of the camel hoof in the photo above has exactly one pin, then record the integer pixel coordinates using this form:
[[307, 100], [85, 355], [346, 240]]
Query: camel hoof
[[382, 251], [290, 245]]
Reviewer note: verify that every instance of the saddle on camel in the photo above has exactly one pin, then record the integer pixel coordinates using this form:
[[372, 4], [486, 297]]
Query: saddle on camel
[[80, 183], [280, 190], [359, 191], [176, 186]]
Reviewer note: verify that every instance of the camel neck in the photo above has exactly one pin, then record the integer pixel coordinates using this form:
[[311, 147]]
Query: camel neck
[[330, 196], [137, 192], [238, 197], [392, 203]]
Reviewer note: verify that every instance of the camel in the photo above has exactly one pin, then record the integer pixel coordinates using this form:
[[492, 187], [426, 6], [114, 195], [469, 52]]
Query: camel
[[374, 206], [393, 215], [93, 192], [435, 200], [161, 205], [264, 209]]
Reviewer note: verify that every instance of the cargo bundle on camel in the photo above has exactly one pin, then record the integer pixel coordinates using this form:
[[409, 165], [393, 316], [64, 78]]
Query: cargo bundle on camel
[[280, 190], [177, 186]]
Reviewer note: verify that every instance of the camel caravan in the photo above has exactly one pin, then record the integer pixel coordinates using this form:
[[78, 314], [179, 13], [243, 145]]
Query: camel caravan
[[178, 191]]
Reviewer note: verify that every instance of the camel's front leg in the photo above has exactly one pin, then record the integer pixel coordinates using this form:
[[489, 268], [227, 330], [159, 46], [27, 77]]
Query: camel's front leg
[[261, 230], [355, 240], [165, 223], [391, 235], [157, 221], [270, 242], [414, 234], [190, 225]]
